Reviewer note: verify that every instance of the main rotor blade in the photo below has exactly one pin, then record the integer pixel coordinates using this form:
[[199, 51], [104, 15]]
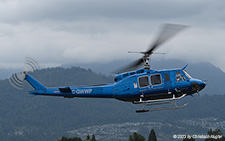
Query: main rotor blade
[[168, 31], [130, 67]]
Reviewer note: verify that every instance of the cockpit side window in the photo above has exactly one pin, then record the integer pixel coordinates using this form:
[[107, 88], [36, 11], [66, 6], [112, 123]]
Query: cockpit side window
[[183, 77], [180, 77]]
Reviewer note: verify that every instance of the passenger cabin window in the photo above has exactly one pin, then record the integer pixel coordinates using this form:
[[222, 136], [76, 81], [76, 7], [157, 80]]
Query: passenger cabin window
[[132, 73], [143, 81], [140, 71], [167, 77], [180, 77], [156, 79], [125, 75]]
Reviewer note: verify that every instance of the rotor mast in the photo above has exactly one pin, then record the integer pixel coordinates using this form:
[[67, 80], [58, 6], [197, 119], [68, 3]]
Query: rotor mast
[[145, 59]]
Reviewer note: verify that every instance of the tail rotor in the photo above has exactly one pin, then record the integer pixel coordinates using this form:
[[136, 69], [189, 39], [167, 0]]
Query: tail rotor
[[31, 65], [17, 79]]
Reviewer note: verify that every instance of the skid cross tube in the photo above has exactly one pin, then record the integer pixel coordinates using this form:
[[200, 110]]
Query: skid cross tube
[[160, 102]]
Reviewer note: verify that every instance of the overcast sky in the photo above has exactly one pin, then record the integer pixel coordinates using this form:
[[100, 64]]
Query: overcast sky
[[58, 32]]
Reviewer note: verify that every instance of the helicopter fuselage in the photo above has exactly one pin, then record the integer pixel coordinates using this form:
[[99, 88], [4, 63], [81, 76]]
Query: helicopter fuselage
[[130, 86]]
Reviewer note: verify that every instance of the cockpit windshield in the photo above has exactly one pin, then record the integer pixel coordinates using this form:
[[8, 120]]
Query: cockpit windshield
[[188, 76]]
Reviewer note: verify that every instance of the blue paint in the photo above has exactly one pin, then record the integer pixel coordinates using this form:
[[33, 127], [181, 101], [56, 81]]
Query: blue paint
[[130, 86]]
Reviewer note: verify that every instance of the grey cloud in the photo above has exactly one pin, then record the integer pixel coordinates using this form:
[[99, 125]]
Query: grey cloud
[[62, 31], [69, 10]]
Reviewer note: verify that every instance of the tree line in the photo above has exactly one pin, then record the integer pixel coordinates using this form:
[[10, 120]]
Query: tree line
[[152, 137], [134, 137]]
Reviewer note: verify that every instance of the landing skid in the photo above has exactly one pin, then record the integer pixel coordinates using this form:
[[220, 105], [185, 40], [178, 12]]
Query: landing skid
[[159, 109], [159, 102]]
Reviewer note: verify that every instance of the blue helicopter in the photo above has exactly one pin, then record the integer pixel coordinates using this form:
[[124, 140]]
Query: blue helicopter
[[141, 86]]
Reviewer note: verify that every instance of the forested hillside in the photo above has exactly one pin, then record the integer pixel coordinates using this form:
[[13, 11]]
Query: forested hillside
[[27, 117]]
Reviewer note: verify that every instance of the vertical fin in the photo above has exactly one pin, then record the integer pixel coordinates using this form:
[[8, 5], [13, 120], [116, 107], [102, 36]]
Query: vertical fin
[[34, 83]]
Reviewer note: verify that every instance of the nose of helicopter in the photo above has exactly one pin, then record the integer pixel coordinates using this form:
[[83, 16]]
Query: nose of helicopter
[[197, 85], [202, 85]]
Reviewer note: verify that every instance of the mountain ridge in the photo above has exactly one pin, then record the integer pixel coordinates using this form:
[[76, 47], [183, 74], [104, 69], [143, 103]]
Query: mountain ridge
[[27, 117]]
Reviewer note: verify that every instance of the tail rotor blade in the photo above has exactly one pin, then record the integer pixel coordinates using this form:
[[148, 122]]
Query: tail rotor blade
[[16, 80], [31, 64]]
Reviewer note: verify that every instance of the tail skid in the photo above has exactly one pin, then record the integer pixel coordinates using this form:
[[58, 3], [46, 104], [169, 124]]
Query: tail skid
[[34, 83]]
